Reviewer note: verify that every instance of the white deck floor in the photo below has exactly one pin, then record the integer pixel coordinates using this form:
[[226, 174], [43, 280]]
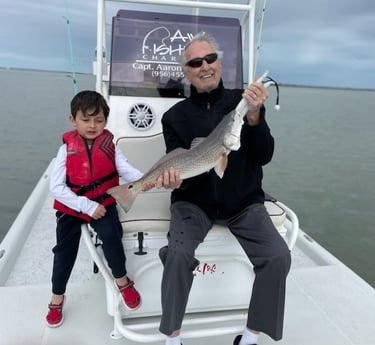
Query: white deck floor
[[326, 304], [316, 313]]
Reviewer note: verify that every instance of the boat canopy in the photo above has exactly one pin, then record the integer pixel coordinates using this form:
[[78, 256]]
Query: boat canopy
[[147, 48]]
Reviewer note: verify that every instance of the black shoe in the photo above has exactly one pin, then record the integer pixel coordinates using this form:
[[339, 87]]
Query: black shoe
[[237, 340]]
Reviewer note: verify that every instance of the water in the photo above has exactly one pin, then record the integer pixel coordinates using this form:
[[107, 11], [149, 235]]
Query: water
[[34, 112], [323, 167]]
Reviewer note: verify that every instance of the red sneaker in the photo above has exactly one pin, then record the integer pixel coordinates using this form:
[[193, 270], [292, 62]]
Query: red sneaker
[[55, 315], [130, 296]]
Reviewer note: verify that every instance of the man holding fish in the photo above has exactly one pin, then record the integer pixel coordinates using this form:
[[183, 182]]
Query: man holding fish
[[235, 200], [237, 143]]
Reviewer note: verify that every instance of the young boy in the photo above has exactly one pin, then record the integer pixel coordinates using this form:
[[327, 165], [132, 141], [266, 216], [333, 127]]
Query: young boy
[[86, 166]]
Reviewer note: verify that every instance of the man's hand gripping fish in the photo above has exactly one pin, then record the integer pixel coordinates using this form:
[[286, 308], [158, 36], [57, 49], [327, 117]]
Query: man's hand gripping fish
[[204, 154]]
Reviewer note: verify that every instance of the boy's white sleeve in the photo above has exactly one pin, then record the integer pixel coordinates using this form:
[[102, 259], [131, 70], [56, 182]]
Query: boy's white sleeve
[[62, 192], [125, 169]]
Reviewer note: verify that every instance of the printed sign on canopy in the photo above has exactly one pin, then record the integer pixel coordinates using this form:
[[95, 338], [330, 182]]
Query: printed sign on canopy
[[147, 48]]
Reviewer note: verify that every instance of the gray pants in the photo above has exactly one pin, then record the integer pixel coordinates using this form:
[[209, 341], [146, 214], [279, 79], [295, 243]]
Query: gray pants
[[263, 245]]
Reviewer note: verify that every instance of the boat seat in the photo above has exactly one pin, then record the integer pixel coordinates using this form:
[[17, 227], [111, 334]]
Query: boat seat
[[153, 205]]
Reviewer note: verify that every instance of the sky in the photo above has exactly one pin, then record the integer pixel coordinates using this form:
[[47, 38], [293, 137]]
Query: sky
[[316, 43]]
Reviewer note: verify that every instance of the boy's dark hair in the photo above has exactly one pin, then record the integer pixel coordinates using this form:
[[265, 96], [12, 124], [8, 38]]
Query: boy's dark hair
[[90, 103]]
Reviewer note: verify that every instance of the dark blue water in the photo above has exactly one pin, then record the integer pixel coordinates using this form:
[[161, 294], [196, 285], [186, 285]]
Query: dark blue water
[[323, 168]]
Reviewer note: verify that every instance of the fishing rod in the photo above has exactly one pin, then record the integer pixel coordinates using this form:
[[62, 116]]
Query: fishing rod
[[259, 43], [66, 17], [265, 79]]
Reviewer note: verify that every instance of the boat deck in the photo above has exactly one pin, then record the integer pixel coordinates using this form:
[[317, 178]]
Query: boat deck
[[326, 302], [308, 299]]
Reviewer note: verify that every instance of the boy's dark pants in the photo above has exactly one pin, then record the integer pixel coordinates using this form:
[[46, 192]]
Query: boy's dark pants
[[68, 234]]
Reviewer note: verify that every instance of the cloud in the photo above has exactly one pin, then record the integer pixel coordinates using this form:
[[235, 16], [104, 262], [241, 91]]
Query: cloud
[[320, 42]]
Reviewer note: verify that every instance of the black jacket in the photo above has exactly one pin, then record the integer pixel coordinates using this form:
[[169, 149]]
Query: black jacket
[[241, 184]]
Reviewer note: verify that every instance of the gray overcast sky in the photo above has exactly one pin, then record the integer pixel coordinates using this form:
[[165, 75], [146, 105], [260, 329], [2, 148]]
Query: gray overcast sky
[[320, 42]]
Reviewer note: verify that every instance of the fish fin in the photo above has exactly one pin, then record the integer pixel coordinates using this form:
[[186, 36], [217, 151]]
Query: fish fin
[[236, 146], [196, 142], [221, 165], [124, 194]]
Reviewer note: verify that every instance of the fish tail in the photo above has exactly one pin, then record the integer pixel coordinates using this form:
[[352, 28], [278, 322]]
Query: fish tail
[[124, 194]]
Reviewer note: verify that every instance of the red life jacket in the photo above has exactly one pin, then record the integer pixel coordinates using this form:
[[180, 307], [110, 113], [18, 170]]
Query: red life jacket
[[89, 172]]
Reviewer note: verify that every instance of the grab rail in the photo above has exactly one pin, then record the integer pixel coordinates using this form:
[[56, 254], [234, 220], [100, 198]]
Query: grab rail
[[132, 332]]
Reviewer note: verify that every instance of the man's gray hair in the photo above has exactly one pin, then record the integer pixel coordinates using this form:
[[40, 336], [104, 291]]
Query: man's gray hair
[[202, 37]]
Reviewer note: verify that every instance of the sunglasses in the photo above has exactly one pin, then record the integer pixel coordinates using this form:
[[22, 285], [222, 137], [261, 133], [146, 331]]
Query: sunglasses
[[197, 62]]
